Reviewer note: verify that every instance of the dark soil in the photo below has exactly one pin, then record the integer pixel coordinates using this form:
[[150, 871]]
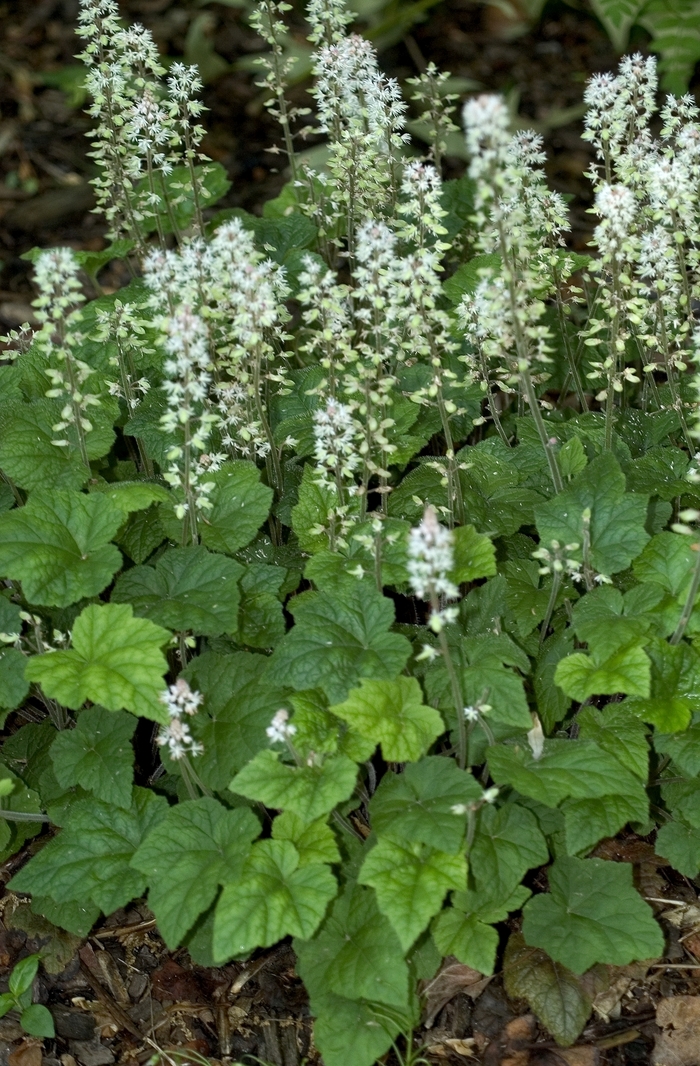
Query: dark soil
[[121, 996]]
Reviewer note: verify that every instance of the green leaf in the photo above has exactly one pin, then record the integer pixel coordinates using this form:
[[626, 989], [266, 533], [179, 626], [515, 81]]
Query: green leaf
[[310, 515], [198, 846], [130, 496], [467, 277], [275, 897], [508, 842], [683, 799], [142, 534], [58, 546], [239, 705], [674, 26], [606, 620], [560, 999], [392, 713], [667, 560], [594, 787], [261, 621], [572, 457], [240, 505], [89, 860], [97, 755], [13, 686], [485, 678], [314, 841], [188, 589], [627, 670], [683, 748], [465, 936], [592, 914], [37, 1021], [7, 1003], [28, 456], [675, 687], [115, 661], [680, 844], [617, 533], [618, 17], [319, 731], [356, 954], [77, 918], [474, 555], [552, 703], [309, 791], [619, 732], [23, 974], [411, 881], [351, 1032], [337, 640], [58, 947], [416, 805]]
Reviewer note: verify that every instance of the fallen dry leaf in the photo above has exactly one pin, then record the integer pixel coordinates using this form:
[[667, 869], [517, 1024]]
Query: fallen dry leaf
[[447, 1048], [452, 979], [607, 1004], [580, 1056], [513, 1046], [678, 1043], [29, 1053]]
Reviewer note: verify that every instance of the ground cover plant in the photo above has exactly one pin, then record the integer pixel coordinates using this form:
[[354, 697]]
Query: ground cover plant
[[350, 552]]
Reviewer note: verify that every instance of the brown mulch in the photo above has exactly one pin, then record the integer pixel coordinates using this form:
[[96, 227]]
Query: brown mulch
[[121, 996]]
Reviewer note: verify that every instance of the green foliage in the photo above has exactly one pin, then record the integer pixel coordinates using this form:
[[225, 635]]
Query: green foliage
[[116, 660], [409, 611], [34, 1018]]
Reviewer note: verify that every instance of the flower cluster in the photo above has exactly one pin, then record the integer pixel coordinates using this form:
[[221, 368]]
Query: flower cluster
[[179, 700]]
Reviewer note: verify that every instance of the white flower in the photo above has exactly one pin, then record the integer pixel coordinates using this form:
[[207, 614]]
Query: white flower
[[279, 729], [471, 714], [490, 795], [179, 699], [430, 558]]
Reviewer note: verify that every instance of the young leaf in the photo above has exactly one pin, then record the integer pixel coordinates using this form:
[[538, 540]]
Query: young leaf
[[411, 881], [23, 975], [392, 713], [97, 755], [198, 846], [115, 660], [465, 936], [464, 929], [275, 897], [617, 533], [89, 860], [59, 547], [560, 999], [309, 791], [314, 841], [627, 670], [188, 589], [338, 640], [416, 805], [36, 1020], [680, 844], [592, 914]]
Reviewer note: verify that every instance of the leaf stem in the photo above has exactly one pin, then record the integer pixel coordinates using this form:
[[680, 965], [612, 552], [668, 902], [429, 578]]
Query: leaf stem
[[689, 600]]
